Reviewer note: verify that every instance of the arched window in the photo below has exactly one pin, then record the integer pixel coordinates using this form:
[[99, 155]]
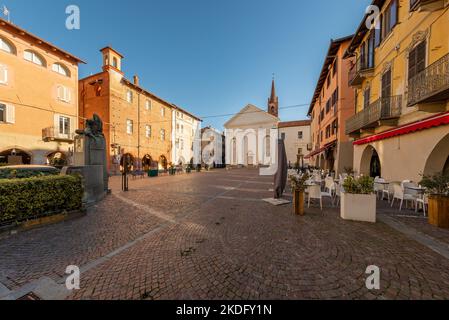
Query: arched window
[[7, 46], [267, 146], [61, 69], [34, 57]]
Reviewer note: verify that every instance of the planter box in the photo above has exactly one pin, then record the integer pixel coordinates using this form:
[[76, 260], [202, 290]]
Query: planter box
[[358, 207], [153, 173], [439, 211]]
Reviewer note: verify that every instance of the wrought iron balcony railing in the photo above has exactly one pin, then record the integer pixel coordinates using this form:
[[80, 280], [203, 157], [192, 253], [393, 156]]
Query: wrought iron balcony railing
[[431, 84], [360, 69], [52, 134], [382, 109]]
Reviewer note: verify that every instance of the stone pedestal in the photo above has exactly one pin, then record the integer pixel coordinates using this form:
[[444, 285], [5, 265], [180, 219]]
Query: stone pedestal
[[93, 182], [91, 152]]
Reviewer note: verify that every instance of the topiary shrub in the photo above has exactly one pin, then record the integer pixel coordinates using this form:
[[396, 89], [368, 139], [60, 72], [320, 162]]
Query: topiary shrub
[[361, 185], [30, 198]]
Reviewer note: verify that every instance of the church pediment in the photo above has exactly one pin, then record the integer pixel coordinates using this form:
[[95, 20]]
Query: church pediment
[[249, 116]]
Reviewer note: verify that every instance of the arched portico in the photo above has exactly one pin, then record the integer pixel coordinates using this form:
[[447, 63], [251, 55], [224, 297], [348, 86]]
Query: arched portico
[[370, 164], [438, 160]]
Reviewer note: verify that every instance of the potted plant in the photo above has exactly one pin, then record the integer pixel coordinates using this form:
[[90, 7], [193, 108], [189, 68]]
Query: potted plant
[[299, 186], [358, 200], [437, 189]]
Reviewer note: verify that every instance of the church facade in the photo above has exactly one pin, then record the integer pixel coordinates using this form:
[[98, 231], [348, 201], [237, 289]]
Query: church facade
[[252, 134]]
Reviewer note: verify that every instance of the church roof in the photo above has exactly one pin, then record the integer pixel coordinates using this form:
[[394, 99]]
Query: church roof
[[250, 113]]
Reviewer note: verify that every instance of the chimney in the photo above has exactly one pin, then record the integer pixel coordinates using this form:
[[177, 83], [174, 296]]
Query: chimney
[[136, 80]]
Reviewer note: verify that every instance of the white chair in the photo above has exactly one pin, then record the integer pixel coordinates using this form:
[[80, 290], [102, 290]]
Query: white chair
[[400, 195], [337, 194], [379, 186], [328, 184], [408, 186], [424, 201]]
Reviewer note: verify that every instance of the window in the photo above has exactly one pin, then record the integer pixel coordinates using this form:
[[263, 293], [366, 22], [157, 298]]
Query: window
[[390, 18], [182, 129], [2, 112], [6, 46], [114, 62], [417, 60], [182, 144], [129, 126], [162, 111], [64, 125], [59, 68], [386, 84], [148, 131], [34, 58], [300, 135], [7, 113], [268, 146], [162, 134], [3, 74], [328, 81], [283, 136], [334, 72], [64, 94], [328, 131], [328, 106], [299, 151], [378, 32], [148, 104], [129, 96]]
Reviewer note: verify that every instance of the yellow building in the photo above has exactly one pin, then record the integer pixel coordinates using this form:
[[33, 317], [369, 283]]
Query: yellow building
[[401, 80], [38, 98], [136, 121]]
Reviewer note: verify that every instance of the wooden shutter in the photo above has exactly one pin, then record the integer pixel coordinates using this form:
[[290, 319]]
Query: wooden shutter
[[386, 84], [417, 60], [420, 57], [10, 114]]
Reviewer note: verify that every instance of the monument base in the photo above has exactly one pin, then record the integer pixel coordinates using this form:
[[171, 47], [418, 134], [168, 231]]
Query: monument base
[[93, 182]]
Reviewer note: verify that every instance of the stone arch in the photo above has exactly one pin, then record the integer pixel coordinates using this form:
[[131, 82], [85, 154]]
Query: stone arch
[[438, 160], [56, 158], [181, 161], [370, 164], [163, 162], [12, 156]]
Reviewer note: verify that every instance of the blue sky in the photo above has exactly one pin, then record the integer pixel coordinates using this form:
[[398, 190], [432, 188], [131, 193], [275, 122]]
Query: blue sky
[[211, 57]]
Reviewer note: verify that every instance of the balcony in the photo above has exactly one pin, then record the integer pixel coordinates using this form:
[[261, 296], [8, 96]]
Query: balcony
[[426, 5], [52, 134], [382, 110], [362, 69], [430, 85]]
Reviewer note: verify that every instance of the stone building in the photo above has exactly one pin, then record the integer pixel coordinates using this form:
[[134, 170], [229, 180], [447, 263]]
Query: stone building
[[298, 142], [401, 81], [38, 98], [137, 122]]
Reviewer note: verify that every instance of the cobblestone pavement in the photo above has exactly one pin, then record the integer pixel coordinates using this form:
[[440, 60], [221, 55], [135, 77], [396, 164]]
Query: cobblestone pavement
[[210, 236]]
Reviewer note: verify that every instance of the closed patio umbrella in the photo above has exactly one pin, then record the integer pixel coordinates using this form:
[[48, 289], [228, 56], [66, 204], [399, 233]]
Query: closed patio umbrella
[[280, 179]]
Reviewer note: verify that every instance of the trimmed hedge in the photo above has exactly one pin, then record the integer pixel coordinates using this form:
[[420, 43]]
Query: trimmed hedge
[[30, 198], [6, 173]]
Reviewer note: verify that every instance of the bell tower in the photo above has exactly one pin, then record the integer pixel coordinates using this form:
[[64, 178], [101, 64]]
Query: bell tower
[[273, 101], [111, 59]]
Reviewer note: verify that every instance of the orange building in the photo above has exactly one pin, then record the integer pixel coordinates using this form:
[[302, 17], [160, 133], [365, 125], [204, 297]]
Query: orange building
[[38, 98], [332, 105], [136, 121]]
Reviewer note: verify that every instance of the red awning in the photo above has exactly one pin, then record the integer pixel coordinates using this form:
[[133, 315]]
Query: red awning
[[431, 122], [318, 151]]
